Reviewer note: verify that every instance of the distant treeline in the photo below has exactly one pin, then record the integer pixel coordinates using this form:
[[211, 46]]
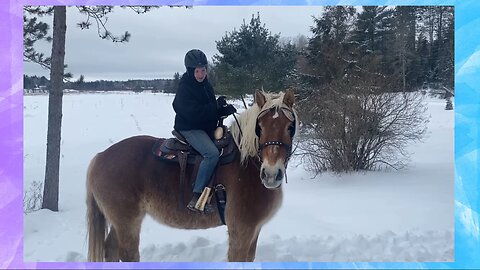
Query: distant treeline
[[160, 85]]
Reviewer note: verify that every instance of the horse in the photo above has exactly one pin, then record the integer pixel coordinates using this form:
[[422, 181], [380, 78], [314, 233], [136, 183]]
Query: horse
[[126, 181]]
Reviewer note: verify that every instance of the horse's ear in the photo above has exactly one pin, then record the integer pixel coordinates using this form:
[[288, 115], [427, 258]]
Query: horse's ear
[[289, 98], [260, 98]]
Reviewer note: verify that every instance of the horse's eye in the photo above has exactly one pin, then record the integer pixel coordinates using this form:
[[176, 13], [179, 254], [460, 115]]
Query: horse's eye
[[291, 130], [258, 131]]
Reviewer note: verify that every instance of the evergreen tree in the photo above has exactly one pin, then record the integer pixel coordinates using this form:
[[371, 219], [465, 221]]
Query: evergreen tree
[[329, 52], [446, 65], [80, 83], [173, 87], [33, 31], [405, 62], [423, 54], [251, 58], [373, 37]]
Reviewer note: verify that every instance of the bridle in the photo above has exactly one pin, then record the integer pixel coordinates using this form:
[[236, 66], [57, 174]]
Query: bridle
[[258, 131]]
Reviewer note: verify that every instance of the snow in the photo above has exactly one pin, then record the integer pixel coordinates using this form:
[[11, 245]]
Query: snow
[[385, 216]]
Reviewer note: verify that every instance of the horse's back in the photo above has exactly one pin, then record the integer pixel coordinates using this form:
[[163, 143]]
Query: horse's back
[[141, 144]]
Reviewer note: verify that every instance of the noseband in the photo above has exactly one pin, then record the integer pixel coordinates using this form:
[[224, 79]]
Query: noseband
[[291, 116]]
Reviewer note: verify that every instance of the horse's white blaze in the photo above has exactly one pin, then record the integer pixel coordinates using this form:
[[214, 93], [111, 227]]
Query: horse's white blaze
[[275, 115]]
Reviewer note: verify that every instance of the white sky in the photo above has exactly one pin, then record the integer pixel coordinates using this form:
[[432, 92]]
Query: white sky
[[161, 38]]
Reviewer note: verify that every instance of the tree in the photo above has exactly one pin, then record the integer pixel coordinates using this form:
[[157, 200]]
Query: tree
[[79, 84], [373, 36], [34, 31], [446, 65], [37, 31], [50, 192], [175, 82], [252, 58], [405, 23], [328, 51]]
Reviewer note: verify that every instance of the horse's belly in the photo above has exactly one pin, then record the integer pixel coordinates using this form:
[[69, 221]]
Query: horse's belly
[[183, 218]]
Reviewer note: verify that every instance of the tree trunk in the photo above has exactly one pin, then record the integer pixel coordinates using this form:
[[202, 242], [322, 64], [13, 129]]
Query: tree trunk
[[50, 192]]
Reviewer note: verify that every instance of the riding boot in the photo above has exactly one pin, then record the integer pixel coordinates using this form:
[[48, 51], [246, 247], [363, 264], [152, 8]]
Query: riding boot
[[193, 202], [191, 205]]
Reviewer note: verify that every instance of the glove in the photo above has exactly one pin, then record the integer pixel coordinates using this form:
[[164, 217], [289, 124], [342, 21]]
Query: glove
[[221, 102], [226, 110]]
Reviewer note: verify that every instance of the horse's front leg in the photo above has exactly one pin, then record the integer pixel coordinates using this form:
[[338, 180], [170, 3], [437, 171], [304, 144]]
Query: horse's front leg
[[242, 242], [253, 247]]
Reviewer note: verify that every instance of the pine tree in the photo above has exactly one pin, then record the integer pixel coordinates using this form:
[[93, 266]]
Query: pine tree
[[328, 51], [252, 58], [405, 23], [435, 30], [446, 65], [34, 31], [174, 84], [373, 36]]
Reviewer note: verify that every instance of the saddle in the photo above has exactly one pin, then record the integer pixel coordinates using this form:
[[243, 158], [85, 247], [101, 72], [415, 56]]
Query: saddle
[[172, 149], [179, 151]]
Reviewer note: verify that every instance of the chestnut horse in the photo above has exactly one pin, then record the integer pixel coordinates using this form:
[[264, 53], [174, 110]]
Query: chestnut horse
[[126, 181]]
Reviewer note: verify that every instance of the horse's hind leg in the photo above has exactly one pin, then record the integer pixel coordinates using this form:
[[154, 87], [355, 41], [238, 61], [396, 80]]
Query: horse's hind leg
[[128, 236], [111, 246]]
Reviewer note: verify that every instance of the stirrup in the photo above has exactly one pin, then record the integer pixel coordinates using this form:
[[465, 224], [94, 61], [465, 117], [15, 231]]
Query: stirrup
[[209, 209]]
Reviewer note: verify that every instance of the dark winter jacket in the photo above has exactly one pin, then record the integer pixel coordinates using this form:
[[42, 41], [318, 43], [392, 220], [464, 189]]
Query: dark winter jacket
[[195, 105]]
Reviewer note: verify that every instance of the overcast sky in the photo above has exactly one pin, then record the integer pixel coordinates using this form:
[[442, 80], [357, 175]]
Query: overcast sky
[[161, 37]]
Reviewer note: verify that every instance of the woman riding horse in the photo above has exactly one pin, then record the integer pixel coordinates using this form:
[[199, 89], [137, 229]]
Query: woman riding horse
[[126, 182], [197, 114]]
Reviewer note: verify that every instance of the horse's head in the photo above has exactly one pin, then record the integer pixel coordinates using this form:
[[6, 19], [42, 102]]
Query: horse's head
[[275, 128]]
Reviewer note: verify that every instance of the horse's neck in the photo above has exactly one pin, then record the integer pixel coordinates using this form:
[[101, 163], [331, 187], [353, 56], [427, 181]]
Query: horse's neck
[[252, 167]]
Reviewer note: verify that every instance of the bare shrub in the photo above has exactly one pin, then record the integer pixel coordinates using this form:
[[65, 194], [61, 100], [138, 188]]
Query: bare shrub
[[351, 126], [32, 198]]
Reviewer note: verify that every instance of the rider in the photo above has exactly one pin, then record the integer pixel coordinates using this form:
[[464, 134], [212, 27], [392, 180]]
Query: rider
[[197, 114]]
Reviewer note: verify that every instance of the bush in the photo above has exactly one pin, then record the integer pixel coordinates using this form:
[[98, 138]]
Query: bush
[[352, 128], [32, 199]]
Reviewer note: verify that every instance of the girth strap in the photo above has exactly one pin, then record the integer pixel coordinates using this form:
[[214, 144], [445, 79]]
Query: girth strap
[[182, 160]]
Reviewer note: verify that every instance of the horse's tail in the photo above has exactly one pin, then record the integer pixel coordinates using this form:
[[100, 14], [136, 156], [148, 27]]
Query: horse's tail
[[96, 224]]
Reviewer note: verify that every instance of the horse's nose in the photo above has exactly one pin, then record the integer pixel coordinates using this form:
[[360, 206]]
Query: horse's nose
[[279, 175], [271, 176]]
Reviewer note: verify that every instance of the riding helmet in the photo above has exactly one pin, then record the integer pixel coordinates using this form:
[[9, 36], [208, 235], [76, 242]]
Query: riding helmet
[[195, 58]]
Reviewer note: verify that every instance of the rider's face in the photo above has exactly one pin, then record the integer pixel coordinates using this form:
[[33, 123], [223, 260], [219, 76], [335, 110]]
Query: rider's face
[[200, 73]]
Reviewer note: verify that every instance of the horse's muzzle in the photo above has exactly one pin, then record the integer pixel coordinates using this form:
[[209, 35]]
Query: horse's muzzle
[[272, 176]]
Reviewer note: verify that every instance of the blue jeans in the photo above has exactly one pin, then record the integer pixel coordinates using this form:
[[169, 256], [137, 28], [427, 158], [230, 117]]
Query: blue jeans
[[201, 142]]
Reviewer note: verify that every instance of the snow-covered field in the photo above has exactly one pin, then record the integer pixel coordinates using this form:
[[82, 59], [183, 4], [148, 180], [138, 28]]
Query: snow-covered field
[[374, 216]]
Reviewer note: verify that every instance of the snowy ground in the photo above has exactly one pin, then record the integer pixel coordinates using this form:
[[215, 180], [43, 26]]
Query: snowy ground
[[376, 216]]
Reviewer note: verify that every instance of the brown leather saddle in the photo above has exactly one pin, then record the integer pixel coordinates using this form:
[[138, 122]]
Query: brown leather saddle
[[179, 151], [172, 149]]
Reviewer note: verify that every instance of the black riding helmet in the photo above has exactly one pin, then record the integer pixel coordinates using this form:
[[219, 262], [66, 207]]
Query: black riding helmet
[[195, 58]]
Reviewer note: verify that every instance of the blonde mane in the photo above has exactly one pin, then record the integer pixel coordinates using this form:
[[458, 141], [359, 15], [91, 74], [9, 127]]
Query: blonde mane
[[247, 142]]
